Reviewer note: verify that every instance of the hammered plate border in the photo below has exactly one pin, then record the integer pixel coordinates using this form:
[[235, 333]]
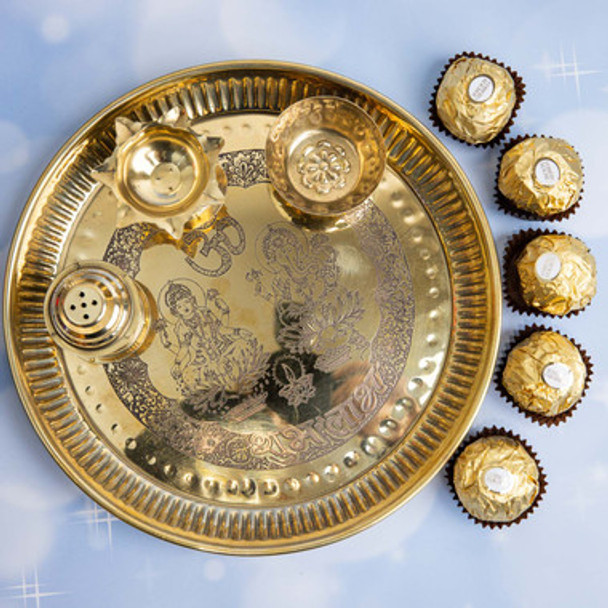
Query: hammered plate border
[[134, 497]]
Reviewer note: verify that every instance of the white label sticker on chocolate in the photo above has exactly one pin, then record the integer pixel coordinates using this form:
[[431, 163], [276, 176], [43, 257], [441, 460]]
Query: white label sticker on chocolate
[[548, 266], [481, 88], [546, 172], [499, 480], [558, 375]]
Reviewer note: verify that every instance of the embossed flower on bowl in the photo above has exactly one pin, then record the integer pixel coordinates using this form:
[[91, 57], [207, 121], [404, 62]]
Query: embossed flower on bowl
[[324, 167]]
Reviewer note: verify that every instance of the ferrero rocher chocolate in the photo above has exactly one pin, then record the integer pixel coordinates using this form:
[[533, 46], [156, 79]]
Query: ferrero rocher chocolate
[[545, 374], [496, 479], [475, 99], [557, 274], [542, 176]]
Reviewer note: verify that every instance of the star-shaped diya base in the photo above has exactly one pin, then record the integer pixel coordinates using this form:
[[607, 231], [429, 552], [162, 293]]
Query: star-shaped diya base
[[164, 172]]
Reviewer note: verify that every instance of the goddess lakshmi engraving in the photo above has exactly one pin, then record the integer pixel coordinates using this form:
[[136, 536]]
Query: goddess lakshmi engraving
[[212, 359]]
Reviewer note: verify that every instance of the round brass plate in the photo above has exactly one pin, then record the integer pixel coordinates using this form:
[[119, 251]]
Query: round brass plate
[[304, 375]]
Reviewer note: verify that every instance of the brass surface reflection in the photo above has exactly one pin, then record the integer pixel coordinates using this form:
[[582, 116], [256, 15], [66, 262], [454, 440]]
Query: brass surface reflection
[[281, 351]]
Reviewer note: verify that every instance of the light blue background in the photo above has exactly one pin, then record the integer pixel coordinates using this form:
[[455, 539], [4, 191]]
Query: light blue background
[[62, 61]]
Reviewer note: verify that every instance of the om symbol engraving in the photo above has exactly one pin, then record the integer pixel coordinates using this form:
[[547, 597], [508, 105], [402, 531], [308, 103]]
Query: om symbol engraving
[[228, 239]]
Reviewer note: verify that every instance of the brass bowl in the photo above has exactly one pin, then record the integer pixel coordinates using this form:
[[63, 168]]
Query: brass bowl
[[162, 170], [325, 155]]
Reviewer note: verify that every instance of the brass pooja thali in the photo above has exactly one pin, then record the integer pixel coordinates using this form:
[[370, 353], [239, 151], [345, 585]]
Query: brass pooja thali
[[252, 307]]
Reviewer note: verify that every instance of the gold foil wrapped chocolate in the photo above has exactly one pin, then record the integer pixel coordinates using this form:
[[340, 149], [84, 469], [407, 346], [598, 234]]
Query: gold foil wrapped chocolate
[[476, 99], [545, 374], [541, 176], [496, 479], [557, 274]]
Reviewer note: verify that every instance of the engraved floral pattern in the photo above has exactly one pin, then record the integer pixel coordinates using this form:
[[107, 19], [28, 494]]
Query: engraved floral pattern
[[299, 390], [324, 167], [244, 168], [317, 333], [314, 316]]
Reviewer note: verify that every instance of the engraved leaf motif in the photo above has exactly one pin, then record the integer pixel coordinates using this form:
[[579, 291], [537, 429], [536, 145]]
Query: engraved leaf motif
[[333, 319], [250, 371], [290, 334]]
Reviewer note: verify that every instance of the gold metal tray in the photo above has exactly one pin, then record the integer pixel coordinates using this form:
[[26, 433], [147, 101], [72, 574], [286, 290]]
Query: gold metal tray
[[305, 376]]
